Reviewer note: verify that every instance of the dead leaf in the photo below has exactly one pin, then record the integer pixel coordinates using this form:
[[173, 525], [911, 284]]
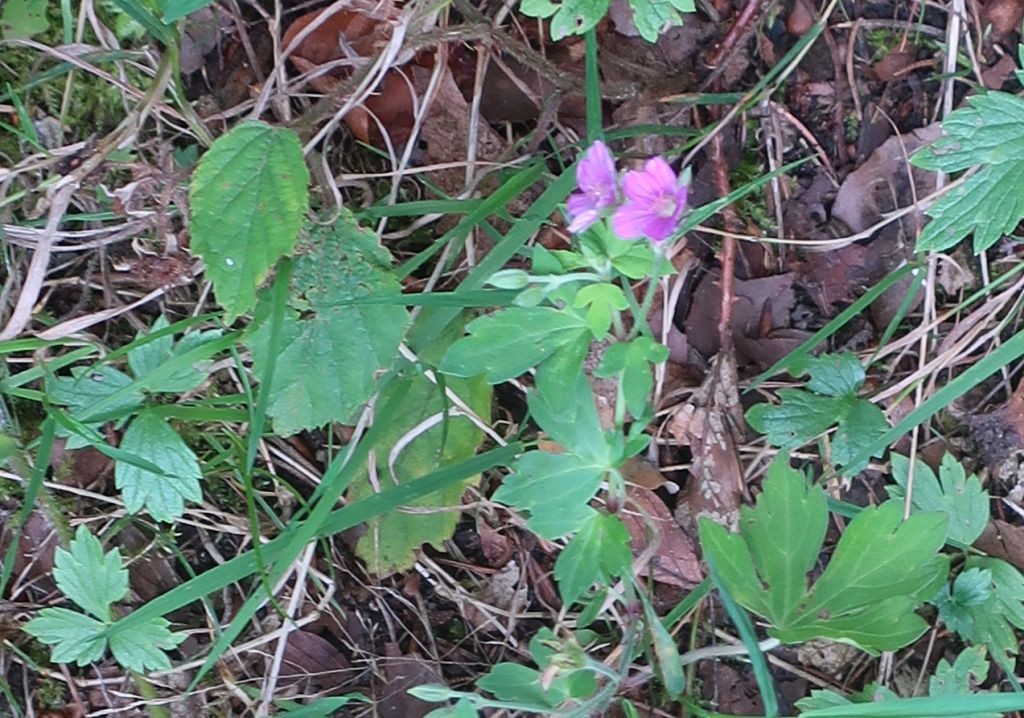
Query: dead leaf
[[711, 424], [674, 560], [1003, 540], [761, 305], [894, 64], [314, 662], [84, 468], [348, 39], [800, 19], [37, 542], [997, 438], [1003, 15], [402, 671]]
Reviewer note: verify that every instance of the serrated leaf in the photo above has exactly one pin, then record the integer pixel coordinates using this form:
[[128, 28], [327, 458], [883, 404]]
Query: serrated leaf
[[507, 343], [878, 574], [981, 205], [959, 496], [247, 198], [330, 351], [151, 438], [598, 552], [88, 386], [73, 637], [803, 415], [990, 621], [968, 671], [88, 576], [652, 17], [798, 418], [392, 541], [142, 648], [538, 477], [152, 355], [987, 132], [832, 374], [862, 423]]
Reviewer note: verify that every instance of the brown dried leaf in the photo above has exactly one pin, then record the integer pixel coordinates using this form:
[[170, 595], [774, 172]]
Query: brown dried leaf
[[767, 300], [311, 659], [1003, 540], [37, 541], [402, 671], [1003, 15], [674, 559], [710, 424]]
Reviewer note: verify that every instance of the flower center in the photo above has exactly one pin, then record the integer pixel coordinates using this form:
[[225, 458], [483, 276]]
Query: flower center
[[665, 206]]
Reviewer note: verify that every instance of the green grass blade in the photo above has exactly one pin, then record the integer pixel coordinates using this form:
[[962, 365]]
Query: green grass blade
[[1009, 352], [243, 565], [745, 628], [592, 85], [35, 484], [924, 707], [840, 320]]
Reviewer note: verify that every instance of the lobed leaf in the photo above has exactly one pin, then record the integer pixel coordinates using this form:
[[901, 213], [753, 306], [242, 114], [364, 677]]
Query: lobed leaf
[[163, 495]]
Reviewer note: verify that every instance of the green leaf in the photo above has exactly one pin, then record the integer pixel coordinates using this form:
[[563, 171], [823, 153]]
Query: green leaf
[[652, 17], [331, 349], [862, 424], [599, 552], [572, 422], [513, 682], [878, 574], [392, 541], [631, 362], [74, 637], [601, 301], [959, 496], [89, 577], [247, 197], [575, 17], [509, 342], [798, 418], [985, 613], [153, 354], [151, 438], [832, 374], [87, 386], [555, 489], [803, 415], [969, 670], [988, 204], [21, 19], [143, 647]]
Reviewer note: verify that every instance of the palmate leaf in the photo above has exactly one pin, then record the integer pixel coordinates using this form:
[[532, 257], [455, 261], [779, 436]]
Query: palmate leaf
[[952, 492], [331, 349], [247, 197], [832, 399], [151, 438], [985, 604], [88, 576], [882, 568], [990, 203]]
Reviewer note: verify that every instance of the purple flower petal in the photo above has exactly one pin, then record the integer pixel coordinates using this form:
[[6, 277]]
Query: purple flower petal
[[583, 220], [596, 171], [630, 221]]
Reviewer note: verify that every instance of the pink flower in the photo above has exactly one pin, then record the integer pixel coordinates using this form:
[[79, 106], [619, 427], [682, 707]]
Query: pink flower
[[595, 177], [655, 201]]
